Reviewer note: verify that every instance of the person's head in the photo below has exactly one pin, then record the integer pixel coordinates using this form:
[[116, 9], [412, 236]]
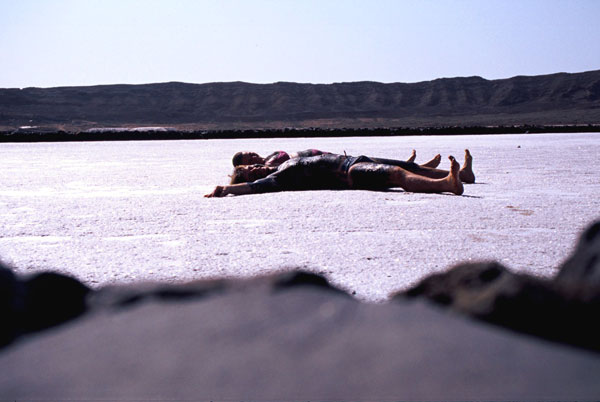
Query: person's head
[[249, 173], [247, 158]]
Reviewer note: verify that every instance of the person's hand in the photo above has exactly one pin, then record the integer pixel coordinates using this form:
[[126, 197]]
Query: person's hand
[[217, 192]]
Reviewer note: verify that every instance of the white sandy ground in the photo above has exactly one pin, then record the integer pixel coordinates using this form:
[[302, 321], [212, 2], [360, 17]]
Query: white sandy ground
[[121, 212]]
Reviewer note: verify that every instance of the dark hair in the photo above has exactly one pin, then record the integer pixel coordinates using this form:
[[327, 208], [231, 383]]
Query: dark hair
[[241, 158], [238, 159], [239, 176]]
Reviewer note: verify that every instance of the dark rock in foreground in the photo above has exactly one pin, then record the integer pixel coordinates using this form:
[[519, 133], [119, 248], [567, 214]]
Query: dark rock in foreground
[[563, 309], [293, 336], [582, 269], [38, 302], [301, 343]]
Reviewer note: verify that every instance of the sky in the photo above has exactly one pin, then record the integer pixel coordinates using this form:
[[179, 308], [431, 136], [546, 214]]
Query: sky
[[48, 43]]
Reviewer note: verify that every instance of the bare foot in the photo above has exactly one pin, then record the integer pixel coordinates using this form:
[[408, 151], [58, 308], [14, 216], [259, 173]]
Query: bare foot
[[466, 173], [413, 156], [456, 185], [435, 162]]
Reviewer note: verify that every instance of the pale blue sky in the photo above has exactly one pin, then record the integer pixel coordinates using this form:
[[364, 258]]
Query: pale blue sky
[[49, 43]]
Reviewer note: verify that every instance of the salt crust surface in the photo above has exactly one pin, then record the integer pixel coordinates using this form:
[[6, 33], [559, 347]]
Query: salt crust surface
[[122, 212]]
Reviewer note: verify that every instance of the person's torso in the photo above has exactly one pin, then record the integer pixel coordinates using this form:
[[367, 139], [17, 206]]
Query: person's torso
[[327, 171], [276, 158]]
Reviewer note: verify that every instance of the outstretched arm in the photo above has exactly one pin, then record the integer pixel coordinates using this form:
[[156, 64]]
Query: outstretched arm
[[234, 189], [268, 184]]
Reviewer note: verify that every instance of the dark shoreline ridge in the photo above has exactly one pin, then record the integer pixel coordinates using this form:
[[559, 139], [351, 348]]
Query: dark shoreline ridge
[[553, 99], [140, 134], [563, 309]]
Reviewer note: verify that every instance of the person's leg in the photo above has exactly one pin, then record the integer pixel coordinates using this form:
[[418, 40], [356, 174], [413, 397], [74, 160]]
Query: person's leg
[[409, 163], [434, 162], [420, 184], [373, 176], [466, 173]]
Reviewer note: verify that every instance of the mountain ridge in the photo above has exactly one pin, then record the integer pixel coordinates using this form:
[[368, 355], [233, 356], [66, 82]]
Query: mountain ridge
[[560, 98]]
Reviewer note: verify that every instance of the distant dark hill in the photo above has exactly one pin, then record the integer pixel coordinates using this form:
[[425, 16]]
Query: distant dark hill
[[548, 99]]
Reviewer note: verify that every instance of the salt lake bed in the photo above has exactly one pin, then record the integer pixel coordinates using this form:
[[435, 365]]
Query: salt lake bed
[[122, 212]]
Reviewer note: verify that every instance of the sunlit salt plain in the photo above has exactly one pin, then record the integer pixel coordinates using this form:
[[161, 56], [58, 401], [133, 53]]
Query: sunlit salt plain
[[122, 212]]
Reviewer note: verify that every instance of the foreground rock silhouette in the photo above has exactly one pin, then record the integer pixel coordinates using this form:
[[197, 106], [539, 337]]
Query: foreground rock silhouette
[[294, 336], [561, 309]]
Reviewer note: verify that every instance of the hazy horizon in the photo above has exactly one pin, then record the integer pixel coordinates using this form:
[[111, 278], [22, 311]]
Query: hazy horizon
[[293, 82]]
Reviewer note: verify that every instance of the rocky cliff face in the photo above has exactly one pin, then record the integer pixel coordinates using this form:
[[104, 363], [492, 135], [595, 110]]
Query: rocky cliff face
[[549, 99]]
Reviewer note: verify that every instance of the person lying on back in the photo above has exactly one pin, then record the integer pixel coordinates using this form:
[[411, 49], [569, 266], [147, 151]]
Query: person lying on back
[[336, 172], [274, 159]]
